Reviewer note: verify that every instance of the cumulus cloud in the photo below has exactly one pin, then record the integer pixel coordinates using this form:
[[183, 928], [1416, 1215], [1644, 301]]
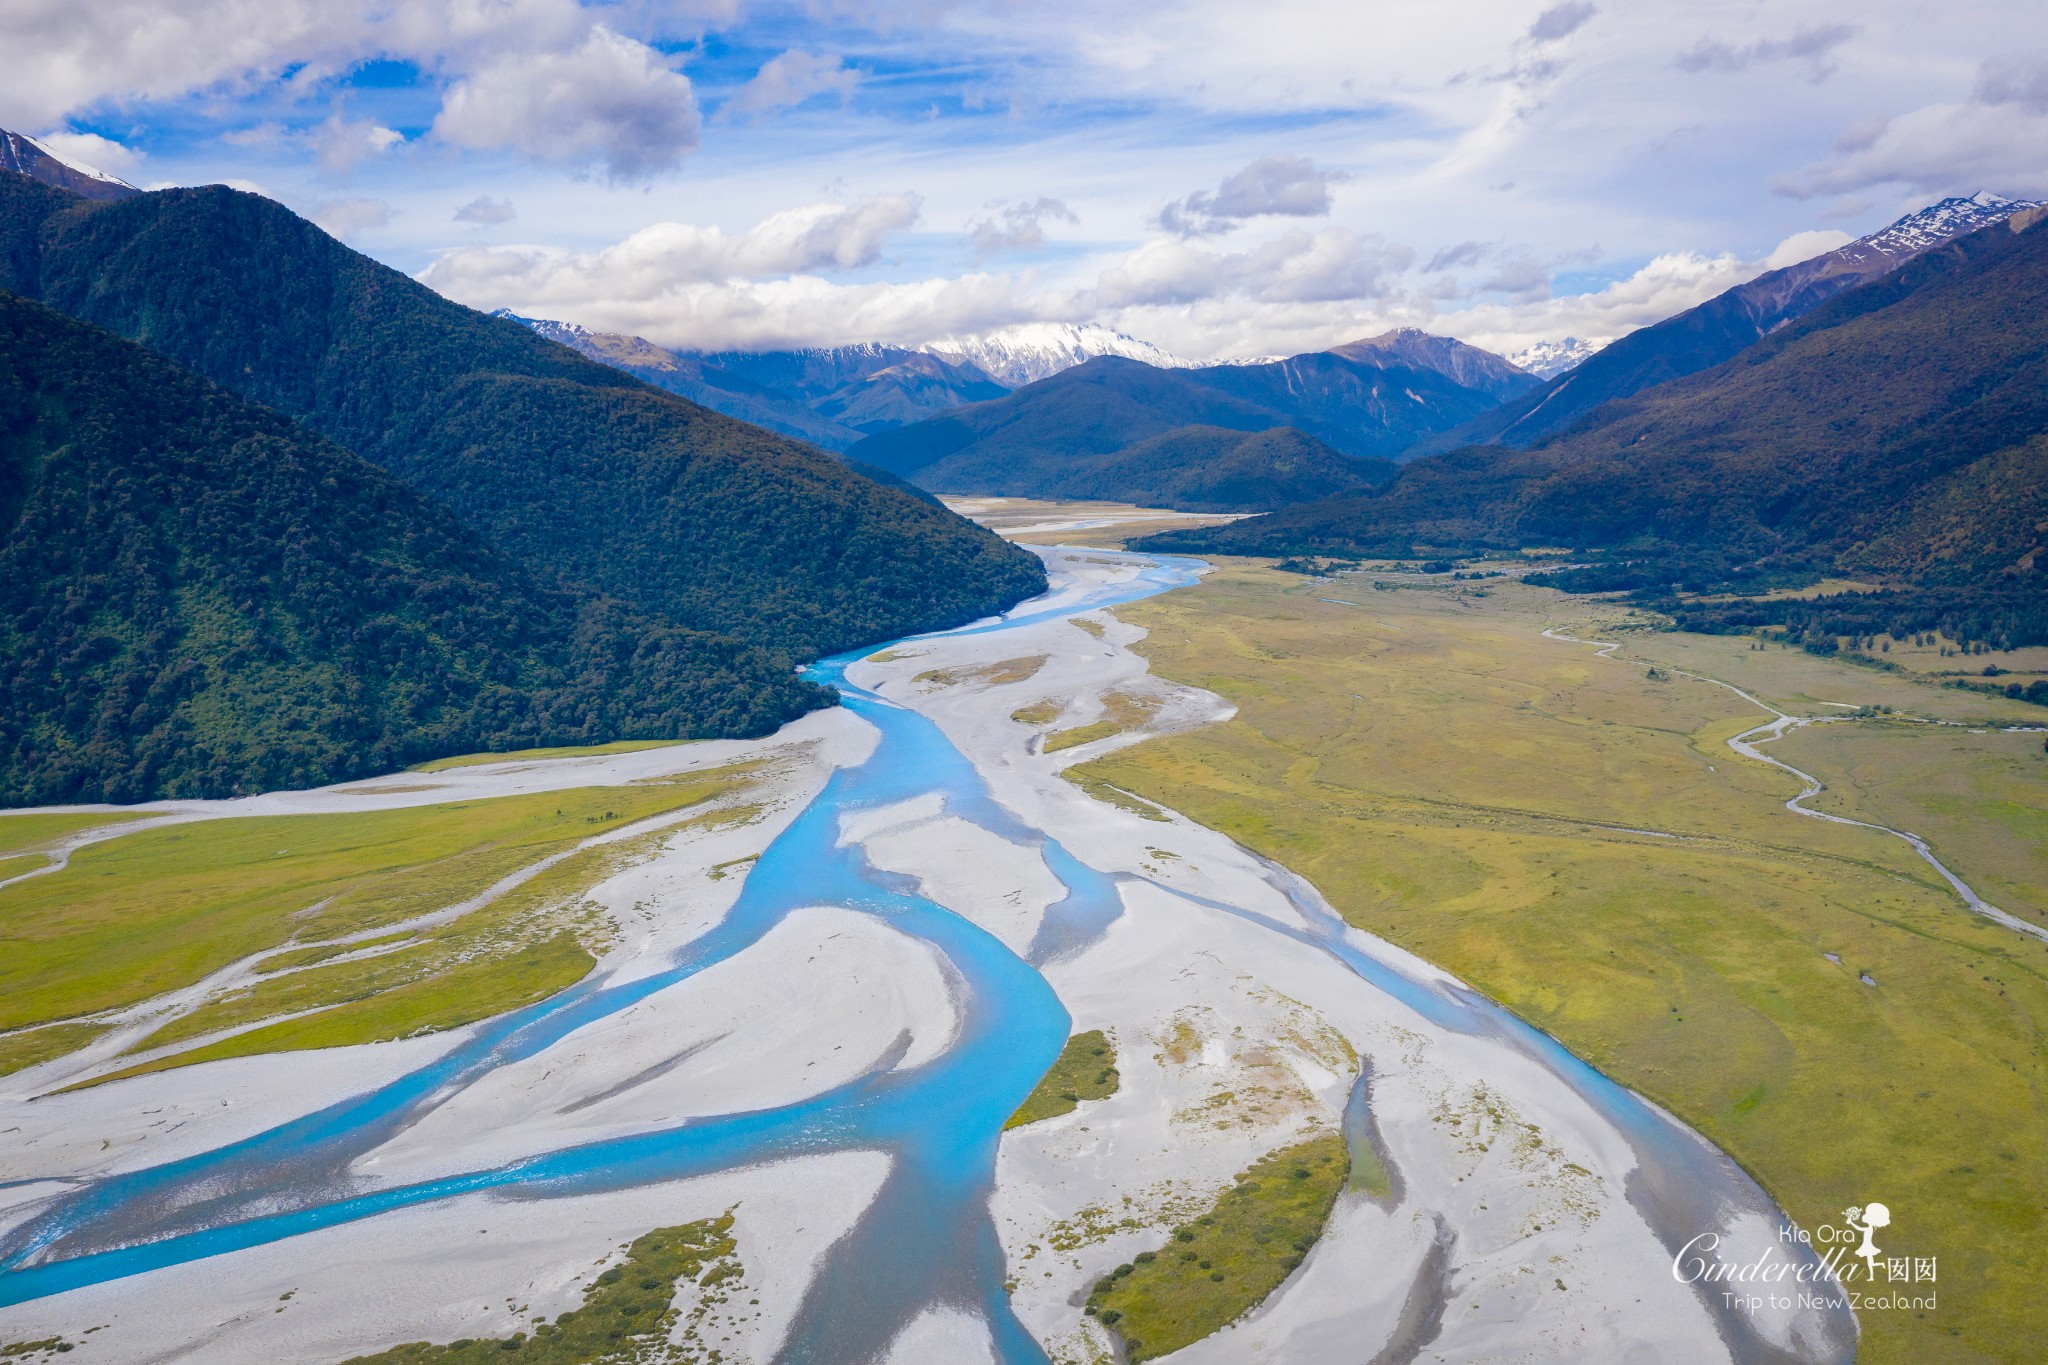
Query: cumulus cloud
[[90, 149], [1296, 267], [1813, 46], [1668, 284], [788, 80], [1802, 246], [611, 100], [540, 78], [1017, 227], [486, 211], [668, 261], [342, 145], [1561, 21], [349, 219], [1276, 185]]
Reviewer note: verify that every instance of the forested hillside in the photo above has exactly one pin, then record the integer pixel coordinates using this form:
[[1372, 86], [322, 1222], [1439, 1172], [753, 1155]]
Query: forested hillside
[[200, 598], [573, 467], [1193, 468]]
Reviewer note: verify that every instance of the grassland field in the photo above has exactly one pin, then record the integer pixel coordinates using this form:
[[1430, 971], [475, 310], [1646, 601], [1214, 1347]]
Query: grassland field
[[138, 915], [1572, 836]]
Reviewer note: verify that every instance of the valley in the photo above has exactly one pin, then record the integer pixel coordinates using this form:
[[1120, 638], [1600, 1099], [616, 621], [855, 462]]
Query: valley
[[668, 699], [979, 908]]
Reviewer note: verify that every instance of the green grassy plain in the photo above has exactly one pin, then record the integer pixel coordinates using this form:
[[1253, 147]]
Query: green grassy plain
[[622, 746], [1084, 1070], [1494, 801], [1220, 1265], [159, 909]]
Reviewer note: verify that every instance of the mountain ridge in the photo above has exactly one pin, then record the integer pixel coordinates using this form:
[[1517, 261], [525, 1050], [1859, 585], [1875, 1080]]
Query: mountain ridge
[[572, 466], [199, 598], [1845, 442], [1710, 333]]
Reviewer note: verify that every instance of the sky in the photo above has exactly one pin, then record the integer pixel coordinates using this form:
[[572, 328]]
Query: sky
[[1217, 177]]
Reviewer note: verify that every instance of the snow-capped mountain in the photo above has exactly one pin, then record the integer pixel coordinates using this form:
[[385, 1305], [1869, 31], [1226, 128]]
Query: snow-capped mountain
[[26, 156], [1549, 359], [1030, 351], [1933, 225]]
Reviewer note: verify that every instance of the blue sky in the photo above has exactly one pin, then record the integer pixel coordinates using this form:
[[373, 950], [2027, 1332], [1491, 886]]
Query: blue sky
[[1216, 177]]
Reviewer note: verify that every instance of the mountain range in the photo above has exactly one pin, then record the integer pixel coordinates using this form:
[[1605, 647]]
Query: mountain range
[[616, 500], [1704, 336], [1897, 431], [1368, 400]]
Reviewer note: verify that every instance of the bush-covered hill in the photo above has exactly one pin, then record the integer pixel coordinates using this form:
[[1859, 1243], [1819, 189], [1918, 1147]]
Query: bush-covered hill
[[1194, 468], [200, 598], [1891, 432], [579, 470]]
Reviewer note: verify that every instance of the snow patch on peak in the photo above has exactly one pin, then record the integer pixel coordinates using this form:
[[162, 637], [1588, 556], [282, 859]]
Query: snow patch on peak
[[1954, 217], [1030, 351], [1549, 359]]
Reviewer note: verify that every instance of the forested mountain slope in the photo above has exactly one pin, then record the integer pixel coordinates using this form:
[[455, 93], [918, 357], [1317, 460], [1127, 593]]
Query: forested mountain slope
[[1198, 469], [1712, 332], [1894, 431], [200, 598], [579, 470]]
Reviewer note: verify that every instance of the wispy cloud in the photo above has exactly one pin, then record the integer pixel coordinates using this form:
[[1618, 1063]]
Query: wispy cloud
[[1813, 46], [786, 81], [486, 211]]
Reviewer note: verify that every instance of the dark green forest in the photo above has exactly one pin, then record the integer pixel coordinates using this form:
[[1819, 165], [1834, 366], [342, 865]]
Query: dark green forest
[[1202, 469], [200, 598], [577, 469], [1892, 432]]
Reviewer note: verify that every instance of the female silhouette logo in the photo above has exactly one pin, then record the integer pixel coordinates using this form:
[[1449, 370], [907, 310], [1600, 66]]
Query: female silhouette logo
[[1868, 1220]]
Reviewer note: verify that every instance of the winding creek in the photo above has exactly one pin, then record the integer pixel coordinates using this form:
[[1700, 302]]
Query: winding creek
[[929, 1237]]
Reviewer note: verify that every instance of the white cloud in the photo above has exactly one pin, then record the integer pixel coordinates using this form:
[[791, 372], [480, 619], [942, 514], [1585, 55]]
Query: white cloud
[[1936, 150], [1801, 246], [1016, 227], [486, 211], [342, 145], [349, 219], [789, 80], [1298, 266], [611, 100], [90, 149], [676, 271], [1276, 185]]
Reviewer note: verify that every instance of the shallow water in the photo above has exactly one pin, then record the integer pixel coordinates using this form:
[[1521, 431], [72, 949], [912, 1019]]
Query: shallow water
[[928, 1238]]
